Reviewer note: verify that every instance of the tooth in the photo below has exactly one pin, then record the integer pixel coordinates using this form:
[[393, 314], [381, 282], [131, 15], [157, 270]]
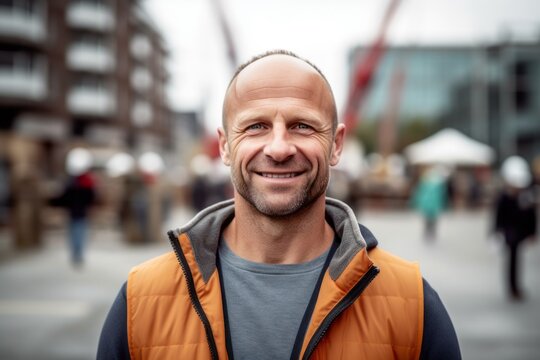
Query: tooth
[[278, 176]]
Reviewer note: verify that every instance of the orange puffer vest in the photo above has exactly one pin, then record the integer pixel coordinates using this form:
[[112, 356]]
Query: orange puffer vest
[[370, 304]]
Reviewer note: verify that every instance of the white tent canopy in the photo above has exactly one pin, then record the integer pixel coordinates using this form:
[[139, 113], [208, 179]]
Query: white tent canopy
[[449, 147]]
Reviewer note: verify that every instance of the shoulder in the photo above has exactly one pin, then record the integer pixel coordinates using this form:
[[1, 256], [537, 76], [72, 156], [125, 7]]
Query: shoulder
[[395, 302], [155, 276], [394, 271], [167, 259], [397, 271], [399, 281], [379, 255]]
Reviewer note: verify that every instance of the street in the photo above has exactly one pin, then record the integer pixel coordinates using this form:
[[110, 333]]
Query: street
[[48, 310], [467, 272]]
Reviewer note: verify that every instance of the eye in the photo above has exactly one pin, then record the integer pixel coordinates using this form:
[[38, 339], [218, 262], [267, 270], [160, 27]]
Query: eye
[[255, 127], [302, 127]]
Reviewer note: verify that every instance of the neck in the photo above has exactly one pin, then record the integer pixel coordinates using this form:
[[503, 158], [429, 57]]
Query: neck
[[297, 238]]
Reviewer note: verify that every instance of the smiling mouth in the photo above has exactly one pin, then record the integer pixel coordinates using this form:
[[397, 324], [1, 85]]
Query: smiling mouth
[[279, 176]]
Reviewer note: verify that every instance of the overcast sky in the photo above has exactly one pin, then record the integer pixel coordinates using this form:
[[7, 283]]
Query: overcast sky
[[320, 30]]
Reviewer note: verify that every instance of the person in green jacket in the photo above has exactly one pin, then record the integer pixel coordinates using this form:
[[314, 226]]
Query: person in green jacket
[[430, 199]]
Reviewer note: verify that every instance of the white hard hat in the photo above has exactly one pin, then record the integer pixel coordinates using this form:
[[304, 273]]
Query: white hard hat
[[78, 161], [120, 164], [515, 172], [152, 163]]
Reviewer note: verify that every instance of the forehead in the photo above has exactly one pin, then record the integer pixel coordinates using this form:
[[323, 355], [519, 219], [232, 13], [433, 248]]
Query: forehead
[[278, 77]]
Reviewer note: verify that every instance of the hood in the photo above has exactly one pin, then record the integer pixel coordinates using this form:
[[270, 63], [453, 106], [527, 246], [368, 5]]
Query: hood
[[204, 232]]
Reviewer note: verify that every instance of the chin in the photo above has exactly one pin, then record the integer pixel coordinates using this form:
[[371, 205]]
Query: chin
[[285, 207], [276, 212]]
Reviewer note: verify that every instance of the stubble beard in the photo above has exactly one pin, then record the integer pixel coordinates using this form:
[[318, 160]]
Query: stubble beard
[[300, 200]]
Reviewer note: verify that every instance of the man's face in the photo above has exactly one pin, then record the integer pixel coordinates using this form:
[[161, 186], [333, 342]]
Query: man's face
[[278, 139]]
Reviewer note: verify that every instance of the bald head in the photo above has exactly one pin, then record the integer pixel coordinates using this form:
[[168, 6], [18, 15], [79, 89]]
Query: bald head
[[278, 74]]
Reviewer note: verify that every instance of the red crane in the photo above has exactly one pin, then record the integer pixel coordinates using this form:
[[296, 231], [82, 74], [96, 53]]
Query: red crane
[[364, 70]]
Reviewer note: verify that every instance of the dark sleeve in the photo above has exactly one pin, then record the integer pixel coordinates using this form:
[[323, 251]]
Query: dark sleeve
[[530, 219], [113, 342], [439, 340], [498, 216]]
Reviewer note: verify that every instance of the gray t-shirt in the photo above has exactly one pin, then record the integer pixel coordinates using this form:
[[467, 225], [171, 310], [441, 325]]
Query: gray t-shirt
[[266, 303]]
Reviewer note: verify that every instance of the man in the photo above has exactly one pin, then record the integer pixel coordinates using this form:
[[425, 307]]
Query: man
[[280, 271], [515, 217]]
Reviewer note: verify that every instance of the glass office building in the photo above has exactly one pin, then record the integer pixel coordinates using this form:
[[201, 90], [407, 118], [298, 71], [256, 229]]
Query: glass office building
[[491, 93]]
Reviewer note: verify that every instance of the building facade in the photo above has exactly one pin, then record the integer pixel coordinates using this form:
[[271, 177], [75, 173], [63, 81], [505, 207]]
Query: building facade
[[491, 93], [79, 73]]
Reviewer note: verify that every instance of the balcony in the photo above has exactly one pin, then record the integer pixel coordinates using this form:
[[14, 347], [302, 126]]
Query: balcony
[[22, 25], [81, 56], [23, 84], [41, 126], [141, 47], [91, 16], [91, 101], [141, 79], [141, 114]]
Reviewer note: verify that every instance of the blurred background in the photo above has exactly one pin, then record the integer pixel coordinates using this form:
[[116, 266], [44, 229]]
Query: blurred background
[[108, 116]]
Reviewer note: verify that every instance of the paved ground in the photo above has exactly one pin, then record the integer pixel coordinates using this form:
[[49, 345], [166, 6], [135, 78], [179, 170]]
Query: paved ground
[[50, 311], [467, 272]]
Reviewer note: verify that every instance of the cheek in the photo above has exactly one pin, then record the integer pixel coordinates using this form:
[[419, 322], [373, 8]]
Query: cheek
[[322, 149], [243, 152], [318, 154]]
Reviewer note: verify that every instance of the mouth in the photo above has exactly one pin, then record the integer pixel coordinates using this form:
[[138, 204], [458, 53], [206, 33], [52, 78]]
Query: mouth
[[279, 175]]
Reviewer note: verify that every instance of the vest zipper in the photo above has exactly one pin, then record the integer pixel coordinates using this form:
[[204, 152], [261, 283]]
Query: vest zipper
[[347, 301], [193, 294]]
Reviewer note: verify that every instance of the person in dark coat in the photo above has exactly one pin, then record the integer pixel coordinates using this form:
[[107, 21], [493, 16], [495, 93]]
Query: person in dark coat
[[78, 196], [515, 217]]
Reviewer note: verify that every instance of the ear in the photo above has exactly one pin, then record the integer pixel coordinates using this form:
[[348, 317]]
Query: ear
[[337, 145], [223, 147]]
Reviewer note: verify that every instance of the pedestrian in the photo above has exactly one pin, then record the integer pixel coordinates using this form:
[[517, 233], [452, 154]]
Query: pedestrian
[[78, 196], [280, 271], [430, 199], [134, 209], [515, 217], [144, 206]]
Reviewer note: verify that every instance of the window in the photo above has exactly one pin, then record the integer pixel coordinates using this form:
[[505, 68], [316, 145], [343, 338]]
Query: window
[[522, 93]]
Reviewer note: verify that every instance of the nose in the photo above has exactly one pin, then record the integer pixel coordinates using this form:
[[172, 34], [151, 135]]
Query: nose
[[279, 147]]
